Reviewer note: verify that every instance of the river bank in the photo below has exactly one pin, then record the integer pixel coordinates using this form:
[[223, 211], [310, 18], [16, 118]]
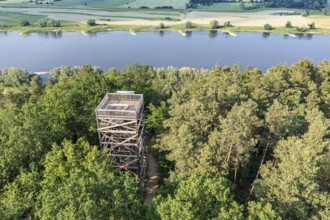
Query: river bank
[[74, 20], [174, 28]]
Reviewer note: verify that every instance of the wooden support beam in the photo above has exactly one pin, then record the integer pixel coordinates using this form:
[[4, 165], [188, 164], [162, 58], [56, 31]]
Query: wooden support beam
[[120, 126], [124, 156], [116, 131]]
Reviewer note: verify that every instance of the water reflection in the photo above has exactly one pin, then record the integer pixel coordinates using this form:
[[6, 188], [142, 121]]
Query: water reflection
[[188, 34], [300, 36], [265, 35], [213, 34], [50, 34], [92, 34], [309, 36], [304, 36], [117, 49], [3, 33]]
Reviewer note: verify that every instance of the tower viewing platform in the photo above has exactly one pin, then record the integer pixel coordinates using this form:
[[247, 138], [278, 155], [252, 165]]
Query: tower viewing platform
[[120, 126]]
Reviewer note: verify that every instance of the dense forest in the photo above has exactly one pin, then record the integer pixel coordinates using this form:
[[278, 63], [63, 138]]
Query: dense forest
[[232, 143], [303, 4]]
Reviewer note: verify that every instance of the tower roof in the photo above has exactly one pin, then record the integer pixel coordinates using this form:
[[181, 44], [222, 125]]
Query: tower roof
[[121, 105]]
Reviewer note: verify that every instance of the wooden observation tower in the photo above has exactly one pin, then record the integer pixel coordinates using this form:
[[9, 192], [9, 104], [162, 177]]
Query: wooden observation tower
[[120, 126]]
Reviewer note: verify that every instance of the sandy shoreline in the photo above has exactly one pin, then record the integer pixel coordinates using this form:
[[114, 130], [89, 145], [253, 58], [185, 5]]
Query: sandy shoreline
[[237, 19], [147, 18]]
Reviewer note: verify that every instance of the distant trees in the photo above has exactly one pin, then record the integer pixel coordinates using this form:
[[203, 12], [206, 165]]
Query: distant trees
[[313, 4], [311, 25], [189, 24], [53, 23], [306, 13], [268, 27], [301, 29], [214, 24], [24, 23], [227, 24], [326, 12], [288, 24], [41, 23], [91, 22], [48, 23], [161, 26], [164, 7]]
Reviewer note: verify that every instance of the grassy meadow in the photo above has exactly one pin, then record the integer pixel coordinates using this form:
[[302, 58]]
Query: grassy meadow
[[106, 4], [102, 4], [13, 18], [176, 4], [126, 15], [222, 6]]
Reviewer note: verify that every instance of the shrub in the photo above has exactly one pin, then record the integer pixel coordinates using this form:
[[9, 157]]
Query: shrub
[[306, 13], [288, 24], [53, 23], [189, 24], [161, 25], [164, 7], [91, 22], [268, 27], [301, 29], [24, 23], [227, 24], [171, 19], [214, 24], [326, 12], [287, 13], [311, 26], [4, 25], [48, 23], [41, 23]]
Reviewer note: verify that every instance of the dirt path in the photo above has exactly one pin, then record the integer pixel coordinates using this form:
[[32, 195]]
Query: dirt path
[[153, 178]]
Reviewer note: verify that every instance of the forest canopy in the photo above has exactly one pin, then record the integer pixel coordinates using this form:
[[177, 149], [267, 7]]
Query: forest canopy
[[232, 143]]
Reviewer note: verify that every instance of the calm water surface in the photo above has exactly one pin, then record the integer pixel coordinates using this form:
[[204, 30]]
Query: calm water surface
[[44, 51]]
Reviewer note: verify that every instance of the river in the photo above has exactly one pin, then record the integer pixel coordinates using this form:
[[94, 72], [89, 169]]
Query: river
[[44, 51]]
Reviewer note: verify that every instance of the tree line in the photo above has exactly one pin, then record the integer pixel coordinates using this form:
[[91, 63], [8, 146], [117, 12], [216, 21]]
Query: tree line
[[233, 143], [302, 4]]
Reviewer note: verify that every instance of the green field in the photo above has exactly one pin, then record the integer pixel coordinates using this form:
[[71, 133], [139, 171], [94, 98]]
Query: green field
[[14, 18], [223, 6], [100, 3], [176, 4], [6, 2]]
